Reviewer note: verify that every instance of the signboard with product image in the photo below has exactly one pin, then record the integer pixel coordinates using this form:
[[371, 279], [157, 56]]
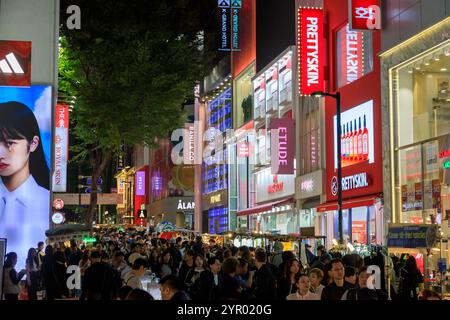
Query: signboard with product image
[[357, 138], [25, 153], [360, 151]]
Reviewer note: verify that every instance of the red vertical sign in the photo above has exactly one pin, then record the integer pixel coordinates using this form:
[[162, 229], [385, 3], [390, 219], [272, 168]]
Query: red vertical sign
[[311, 50], [364, 14], [351, 56]]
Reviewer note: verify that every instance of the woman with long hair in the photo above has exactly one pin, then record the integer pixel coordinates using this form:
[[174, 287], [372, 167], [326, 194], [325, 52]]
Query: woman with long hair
[[24, 179], [194, 273], [11, 285], [287, 283], [166, 266], [32, 267], [411, 280]]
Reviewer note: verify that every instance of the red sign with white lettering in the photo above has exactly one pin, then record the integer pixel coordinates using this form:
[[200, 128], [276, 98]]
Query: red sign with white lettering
[[364, 14], [15, 63], [311, 48]]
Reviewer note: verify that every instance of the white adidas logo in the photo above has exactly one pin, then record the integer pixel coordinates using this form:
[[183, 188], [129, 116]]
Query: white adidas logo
[[13, 67]]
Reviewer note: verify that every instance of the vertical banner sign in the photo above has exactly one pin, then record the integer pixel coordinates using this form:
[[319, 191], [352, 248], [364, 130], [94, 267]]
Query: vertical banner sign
[[140, 183], [61, 148], [15, 63], [351, 55], [224, 18], [364, 14], [311, 50], [121, 157], [282, 145], [189, 144], [236, 6]]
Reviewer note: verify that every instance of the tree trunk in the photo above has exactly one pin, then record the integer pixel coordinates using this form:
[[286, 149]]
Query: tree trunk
[[100, 159]]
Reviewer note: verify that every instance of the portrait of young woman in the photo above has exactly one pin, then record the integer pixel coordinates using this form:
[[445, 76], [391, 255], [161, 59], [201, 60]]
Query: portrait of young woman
[[24, 177]]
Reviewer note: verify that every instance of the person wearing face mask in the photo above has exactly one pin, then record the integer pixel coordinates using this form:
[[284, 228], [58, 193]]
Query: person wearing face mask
[[303, 292]]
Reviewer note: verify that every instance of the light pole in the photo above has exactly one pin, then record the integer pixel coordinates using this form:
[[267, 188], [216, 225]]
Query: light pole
[[337, 97]]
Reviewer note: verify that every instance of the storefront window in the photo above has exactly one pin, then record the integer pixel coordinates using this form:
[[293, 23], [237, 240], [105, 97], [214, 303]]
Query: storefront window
[[421, 108], [243, 97], [354, 55], [310, 136]]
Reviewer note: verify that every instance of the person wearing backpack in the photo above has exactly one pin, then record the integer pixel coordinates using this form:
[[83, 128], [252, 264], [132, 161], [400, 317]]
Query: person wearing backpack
[[133, 279]]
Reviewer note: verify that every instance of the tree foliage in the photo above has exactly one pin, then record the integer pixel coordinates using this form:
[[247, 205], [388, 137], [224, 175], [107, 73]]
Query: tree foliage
[[130, 68]]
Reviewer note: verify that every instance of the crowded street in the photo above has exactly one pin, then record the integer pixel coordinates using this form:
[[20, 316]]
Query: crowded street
[[224, 157]]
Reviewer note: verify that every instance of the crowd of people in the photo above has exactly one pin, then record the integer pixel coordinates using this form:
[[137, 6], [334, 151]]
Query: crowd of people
[[115, 266]]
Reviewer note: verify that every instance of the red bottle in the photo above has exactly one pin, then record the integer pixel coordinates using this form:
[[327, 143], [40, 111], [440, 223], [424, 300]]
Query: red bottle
[[350, 143], [365, 141], [355, 142], [360, 141], [343, 155]]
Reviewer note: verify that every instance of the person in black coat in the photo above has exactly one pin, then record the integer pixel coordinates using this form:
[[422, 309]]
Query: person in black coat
[[231, 289], [60, 274], [172, 289], [265, 284], [209, 285], [99, 280], [286, 284]]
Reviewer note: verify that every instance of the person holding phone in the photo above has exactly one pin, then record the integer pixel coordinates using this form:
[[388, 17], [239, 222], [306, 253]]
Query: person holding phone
[[24, 179], [11, 285]]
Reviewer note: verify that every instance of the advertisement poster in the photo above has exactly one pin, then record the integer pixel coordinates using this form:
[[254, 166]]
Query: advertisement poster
[[444, 158], [15, 63], [357, 138], [418, 196], [25, 151], [359, 231]]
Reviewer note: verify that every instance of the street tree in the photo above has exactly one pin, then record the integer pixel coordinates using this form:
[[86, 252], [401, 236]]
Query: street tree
[[129, 68]]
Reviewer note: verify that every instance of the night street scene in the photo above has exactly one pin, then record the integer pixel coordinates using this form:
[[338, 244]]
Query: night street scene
[[224, 156]]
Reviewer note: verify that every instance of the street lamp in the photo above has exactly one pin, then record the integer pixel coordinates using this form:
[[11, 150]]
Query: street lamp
[[337, 97]]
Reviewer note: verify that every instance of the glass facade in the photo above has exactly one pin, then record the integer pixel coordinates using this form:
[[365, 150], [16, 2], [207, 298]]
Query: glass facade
[[359, 225], [421, 111]]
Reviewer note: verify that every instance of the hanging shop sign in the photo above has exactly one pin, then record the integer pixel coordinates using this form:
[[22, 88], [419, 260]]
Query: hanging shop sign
[[224, 27], [140, 183], [58, 204], [61, 148], [15, 63], [364, 14], [351, 55], [243, 149], [58, 218], [412, 236], [311, 50], [236, 7], [282, 141], [189, 144]]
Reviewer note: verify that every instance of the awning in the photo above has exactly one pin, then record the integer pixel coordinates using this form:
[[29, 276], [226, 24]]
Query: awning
[[263, 207], [350, 203]]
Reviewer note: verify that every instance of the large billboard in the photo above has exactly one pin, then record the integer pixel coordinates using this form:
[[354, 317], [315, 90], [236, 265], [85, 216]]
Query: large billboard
[[360, 151], [25, 153]]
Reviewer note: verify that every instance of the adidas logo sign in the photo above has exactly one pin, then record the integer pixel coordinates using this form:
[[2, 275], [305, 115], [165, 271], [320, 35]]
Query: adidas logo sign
[[10, 65]]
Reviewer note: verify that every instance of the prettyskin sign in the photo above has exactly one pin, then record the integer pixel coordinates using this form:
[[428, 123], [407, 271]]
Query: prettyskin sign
[[25, 151], [311, 47]]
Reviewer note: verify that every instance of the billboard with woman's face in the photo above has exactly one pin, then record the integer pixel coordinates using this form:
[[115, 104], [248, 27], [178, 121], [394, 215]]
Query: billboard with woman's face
[[25, 144]]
